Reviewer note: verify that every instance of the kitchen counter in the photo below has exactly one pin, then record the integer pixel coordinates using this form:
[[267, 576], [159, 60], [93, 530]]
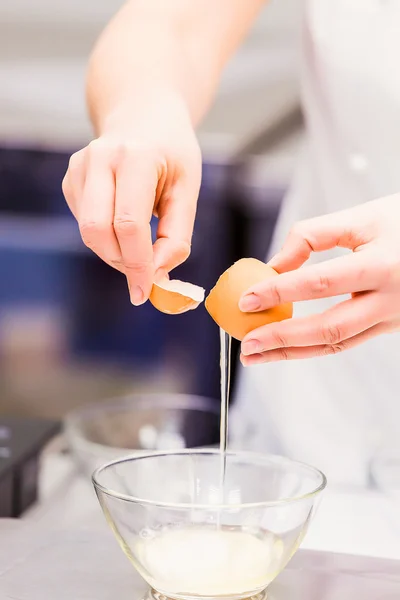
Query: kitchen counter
[[42, 563]]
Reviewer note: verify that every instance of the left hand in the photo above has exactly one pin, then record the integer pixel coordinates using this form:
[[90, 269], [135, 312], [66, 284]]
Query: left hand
[[371, 274], [146, 161]]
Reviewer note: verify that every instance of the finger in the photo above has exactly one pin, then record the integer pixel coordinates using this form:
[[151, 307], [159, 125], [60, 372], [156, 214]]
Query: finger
[[355, 272], [136, 185], [177, 214], [316, 235], [77, 171], [342, 321], [96, 209], [69, 193], [314, 351], [74, 180]]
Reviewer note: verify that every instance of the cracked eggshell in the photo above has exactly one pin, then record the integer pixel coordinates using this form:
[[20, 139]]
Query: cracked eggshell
[[174, 297], [222, 303]]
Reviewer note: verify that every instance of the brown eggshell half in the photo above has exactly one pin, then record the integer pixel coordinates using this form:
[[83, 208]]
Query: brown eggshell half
[[222, 303], [174, 297]]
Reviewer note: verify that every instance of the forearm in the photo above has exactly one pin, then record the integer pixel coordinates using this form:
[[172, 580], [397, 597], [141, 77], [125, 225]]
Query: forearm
[[167, 47]]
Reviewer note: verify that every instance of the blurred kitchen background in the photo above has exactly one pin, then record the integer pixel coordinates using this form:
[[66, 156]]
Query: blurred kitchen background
[[68, 333]]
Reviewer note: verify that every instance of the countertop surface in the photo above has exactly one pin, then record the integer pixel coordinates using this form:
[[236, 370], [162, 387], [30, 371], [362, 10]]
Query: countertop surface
[[37, 563]]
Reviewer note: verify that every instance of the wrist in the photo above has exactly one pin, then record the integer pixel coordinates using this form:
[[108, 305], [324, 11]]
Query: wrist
[[155, 105]]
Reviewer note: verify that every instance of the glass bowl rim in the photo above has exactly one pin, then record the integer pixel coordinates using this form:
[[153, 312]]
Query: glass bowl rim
[[169, 401], [270, 458]]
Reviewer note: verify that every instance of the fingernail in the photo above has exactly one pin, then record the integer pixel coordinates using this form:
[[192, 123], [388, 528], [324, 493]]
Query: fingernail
[[251, 347], [243, 360], [137, 295], [255, 359], [249, 302]]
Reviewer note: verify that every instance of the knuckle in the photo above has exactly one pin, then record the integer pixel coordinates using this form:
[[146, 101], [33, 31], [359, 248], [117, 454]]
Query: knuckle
[[276, 296], [300, 234], [284, 354], [125, 225], [278, 339], [350, 238], [332, 335], [92, 227], [122, 151], [320, 285], [89, 243], [75, 161], [99, 148], [65, 185], [96, 145], [117, 264], [111, 149], [91, 231], [132, 151], [138, 267], [334, 349]]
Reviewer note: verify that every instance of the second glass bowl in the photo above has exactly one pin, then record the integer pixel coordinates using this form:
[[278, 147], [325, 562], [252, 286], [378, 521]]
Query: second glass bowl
[[104, 431]]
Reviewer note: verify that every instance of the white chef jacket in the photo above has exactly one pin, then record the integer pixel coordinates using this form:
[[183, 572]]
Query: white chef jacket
[[334, 412]]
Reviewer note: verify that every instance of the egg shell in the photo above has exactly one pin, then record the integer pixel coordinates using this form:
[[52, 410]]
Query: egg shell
[[174, 297], [222, 303]]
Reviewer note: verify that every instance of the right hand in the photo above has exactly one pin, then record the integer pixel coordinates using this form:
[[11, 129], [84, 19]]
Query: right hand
[[146, 161], [370, 274]]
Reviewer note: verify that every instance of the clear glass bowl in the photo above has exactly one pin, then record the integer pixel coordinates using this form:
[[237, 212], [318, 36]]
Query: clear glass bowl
[[104, 431], [188, 539]]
